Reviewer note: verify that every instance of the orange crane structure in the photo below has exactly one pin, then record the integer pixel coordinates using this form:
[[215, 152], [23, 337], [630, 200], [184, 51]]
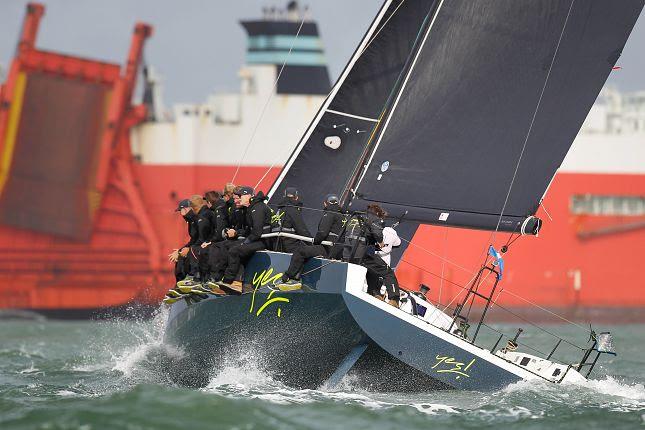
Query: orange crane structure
[[71, 213]]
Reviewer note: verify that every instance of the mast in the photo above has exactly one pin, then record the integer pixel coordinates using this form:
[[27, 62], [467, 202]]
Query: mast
[[377, 132]]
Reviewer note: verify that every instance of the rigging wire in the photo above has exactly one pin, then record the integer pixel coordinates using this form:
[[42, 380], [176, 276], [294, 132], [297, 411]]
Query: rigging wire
[[443, 262], [545, 211], [519, 161], [537, 109], [268, 101], [268, 170], [381, 28]]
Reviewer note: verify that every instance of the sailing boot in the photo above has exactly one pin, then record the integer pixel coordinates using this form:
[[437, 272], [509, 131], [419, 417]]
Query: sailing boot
[[171, 300], [234, 287], [203, 289], [173, 293], [188, 284], [198, 292], [286, 284], [212, 286]]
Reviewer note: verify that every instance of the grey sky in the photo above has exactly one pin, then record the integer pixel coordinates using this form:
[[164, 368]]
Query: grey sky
[[198, 45]]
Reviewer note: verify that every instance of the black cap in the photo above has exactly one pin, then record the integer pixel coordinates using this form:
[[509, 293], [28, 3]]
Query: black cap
[[185, 203], [245, 190], [291, 192], [332, 199]]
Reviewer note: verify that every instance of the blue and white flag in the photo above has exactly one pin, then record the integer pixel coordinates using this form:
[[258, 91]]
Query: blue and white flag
[[499, 260]]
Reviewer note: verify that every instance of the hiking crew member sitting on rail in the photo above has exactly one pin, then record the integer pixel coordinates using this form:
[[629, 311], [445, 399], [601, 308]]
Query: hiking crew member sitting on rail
[[218, 219], [329, 228], [363, 235], [228, 196], [258, 222], [178, 256], [199, 229], [218, 216], [232, 235], [288, 219]]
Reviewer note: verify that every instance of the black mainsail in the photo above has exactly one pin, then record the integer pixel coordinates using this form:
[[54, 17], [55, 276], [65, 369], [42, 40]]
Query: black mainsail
[[496, 95], [460, 111]]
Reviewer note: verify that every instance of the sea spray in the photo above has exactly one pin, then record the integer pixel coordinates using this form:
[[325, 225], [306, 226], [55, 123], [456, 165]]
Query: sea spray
[[111, 375]]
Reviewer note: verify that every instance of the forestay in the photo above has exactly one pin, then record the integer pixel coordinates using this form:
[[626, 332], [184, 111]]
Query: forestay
[[493, 84]]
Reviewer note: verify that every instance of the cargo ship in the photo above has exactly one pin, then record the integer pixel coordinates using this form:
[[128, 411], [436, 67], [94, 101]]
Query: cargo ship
[[89, 179]]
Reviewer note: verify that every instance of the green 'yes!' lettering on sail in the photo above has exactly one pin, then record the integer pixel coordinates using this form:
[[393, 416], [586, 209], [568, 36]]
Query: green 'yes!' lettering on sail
[[446, 364]]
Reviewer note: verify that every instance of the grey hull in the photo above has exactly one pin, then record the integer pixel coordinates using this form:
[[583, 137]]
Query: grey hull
[[301, 337]]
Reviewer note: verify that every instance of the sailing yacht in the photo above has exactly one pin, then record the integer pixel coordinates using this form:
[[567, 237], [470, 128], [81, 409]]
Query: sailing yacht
[[450, 112]]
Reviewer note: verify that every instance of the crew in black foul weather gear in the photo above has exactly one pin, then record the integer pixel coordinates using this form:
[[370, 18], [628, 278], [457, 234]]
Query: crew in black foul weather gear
[[258, 222], [288, 219], [178, 256], [329, 228], [218, 216], [200, 230], [234, 234], [363, 235]]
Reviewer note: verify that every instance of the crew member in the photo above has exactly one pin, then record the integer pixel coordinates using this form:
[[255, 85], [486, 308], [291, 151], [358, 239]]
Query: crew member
[[233, 235], [364, 234], [218, 217], [391, 240], [228, 195], [258, 222], [329, 229], [201, 231], [288, 219], [178, 256]]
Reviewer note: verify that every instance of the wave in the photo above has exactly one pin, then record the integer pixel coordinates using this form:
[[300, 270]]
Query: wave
[[245, 378], [609, 391]]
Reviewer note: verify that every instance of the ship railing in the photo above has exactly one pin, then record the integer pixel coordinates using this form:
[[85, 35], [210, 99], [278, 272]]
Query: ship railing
[[295, 236]]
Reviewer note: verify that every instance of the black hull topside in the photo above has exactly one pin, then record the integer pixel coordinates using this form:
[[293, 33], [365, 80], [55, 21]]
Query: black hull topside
[[299, 338]]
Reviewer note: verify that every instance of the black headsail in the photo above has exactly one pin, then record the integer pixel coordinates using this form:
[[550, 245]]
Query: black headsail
[[325, 158], [493, 84]]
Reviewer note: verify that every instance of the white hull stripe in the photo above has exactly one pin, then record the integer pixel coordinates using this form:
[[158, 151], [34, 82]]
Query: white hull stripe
[[364, 118]]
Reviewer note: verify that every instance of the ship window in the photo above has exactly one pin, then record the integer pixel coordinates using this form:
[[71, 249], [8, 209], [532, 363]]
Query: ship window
[[556, 372], [589, 204], [525, 361]]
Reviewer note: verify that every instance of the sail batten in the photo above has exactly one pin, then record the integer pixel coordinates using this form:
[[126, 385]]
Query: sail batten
[[352, 115]]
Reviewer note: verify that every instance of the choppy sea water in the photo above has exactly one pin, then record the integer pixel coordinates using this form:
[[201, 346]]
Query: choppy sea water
[[107, 375]]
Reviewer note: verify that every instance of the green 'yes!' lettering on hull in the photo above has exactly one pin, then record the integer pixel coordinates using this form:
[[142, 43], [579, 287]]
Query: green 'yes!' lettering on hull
[[446, 364], [259, 280]]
